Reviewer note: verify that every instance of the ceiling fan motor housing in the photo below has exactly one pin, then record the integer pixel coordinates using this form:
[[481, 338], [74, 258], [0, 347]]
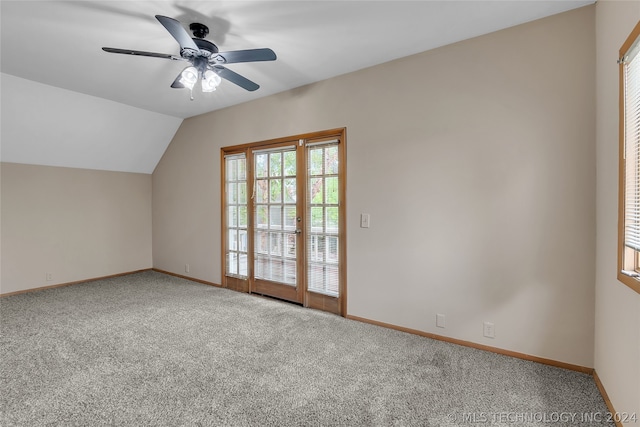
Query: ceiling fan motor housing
[[206, 50], [206, 45]]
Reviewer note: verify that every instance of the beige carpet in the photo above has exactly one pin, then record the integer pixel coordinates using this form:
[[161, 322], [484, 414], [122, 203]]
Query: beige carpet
[[151, 349]]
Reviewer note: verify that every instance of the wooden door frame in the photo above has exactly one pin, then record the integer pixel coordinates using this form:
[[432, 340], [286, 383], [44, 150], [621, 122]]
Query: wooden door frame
[[309, 299]]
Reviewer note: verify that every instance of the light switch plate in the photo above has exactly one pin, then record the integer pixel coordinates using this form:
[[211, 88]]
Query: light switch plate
[[365, 220]]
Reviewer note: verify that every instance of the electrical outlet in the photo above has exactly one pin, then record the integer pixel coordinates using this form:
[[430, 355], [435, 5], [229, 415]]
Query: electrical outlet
[[489, 330], [440, 320], [187, 268], [49, 277]]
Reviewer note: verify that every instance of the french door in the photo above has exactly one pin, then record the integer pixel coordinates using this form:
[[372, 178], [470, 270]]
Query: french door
[[277, 221], [283, 219]]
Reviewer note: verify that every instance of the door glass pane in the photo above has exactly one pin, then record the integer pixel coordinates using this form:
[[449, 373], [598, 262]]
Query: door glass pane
[[332, 250], [290, 222], [289, 191], [315, 161], [332, 220], [232, 263], [276, 190], [242, 170], [331, 279], [317, 219], [331, 192], [232, 193], [290, 163], [276, 267], [275, 216], [261, 243], [236, 212], [290, 246], [315, 190], [323, 183], [261, 165], [275, 164], [276, 244], [232, 243], [243, 263], [262, 191], [242, 193], [242, 241], [331, 160], [262, 217], [289, 271], [242, 217]]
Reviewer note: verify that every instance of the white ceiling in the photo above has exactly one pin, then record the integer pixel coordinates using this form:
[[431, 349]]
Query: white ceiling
[[58, 44]]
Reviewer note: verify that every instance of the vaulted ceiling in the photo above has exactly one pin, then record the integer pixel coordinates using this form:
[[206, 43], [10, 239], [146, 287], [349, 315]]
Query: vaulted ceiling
[[65, 102]]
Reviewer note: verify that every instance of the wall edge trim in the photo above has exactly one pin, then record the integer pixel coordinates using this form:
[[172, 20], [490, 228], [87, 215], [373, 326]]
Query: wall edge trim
[[193, 279], [75, 282], [606, 398], [471, 344]]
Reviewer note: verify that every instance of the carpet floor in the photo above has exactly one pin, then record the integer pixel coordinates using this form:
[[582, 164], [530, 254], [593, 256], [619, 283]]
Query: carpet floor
[[150, 349]]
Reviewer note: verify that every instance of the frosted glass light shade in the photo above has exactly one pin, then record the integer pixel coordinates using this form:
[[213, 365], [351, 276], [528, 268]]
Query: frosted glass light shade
[[189, 77], [210, 81]]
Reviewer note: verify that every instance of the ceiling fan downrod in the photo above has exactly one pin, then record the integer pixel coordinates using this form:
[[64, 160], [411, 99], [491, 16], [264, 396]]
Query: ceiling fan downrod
[[199, 30]]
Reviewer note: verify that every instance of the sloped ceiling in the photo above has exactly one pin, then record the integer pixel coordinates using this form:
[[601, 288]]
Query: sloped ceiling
[[65, 102]]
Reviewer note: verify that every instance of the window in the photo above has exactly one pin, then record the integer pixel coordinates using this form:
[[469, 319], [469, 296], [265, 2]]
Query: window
[[629, 184], [323, 209], [236, 215]]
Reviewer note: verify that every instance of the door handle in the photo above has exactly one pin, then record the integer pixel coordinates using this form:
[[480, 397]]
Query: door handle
[[298, 231]]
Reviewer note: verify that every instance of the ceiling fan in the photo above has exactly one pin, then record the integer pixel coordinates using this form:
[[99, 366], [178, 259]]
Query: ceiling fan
[[206, 62]]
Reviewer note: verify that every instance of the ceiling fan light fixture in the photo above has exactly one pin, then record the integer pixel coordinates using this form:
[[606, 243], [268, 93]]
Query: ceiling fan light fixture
[[210, 81], [204, 57], [189, 77]]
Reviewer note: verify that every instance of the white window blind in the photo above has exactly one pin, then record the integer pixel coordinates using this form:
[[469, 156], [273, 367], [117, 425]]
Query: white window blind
[[236, 215], [323, 210], [274, 198], [632, 148]]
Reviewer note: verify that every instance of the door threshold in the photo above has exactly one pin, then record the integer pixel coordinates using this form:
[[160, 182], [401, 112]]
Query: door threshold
[[275, 298]]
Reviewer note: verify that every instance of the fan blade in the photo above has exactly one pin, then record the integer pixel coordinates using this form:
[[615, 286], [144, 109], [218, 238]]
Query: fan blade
[[236, 78], [249, 55], [142, 53], [178, 32]]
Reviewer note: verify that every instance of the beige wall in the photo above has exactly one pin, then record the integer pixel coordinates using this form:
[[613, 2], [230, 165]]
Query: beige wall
[[73, 223], [617, 333], [476, 162]]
